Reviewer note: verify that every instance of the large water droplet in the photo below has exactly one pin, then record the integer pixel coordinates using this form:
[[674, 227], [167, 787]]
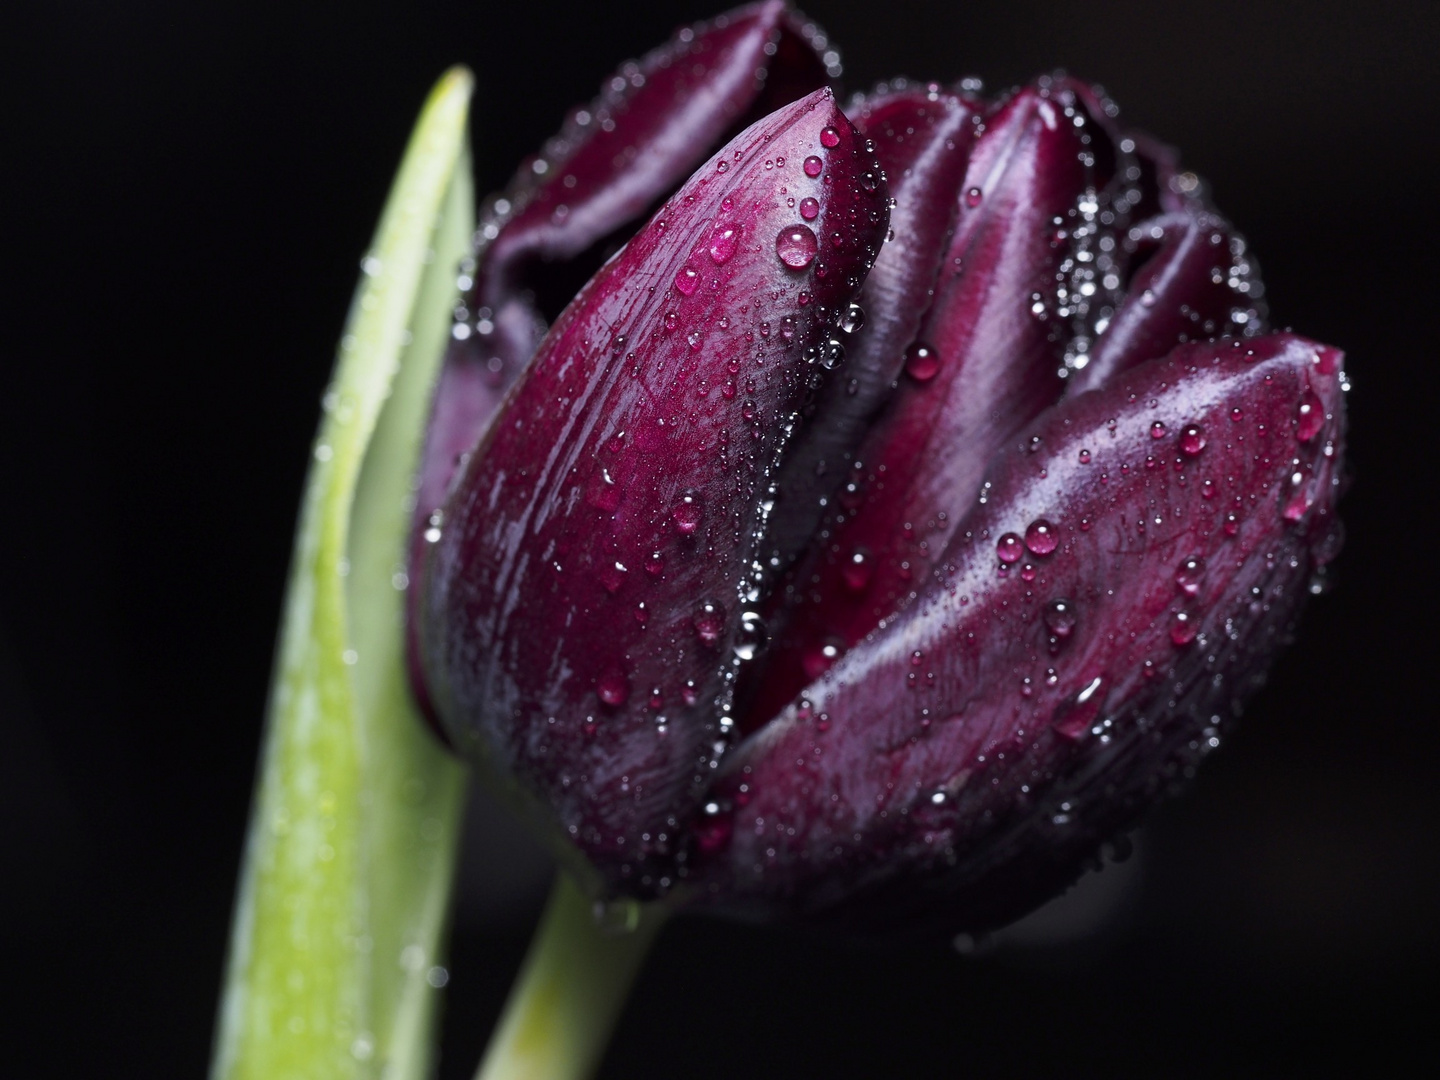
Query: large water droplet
[[1009, 547], [797, 247], [829, 138], [813, 166], [1041, 537], [1192, 440], [687, 281], [809, 208], [723, 242], [853, 319]]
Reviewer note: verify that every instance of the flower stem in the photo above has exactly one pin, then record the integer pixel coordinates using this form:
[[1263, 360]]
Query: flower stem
[[570, 990]]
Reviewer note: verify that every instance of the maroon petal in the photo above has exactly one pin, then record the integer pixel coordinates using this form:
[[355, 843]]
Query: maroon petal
[[985, 362], [1193, 280], [1094, 627], [582, 607], [653, 123], [922, 138]]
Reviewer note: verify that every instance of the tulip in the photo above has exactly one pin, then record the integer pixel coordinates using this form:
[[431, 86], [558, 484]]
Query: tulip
[[902, 508]]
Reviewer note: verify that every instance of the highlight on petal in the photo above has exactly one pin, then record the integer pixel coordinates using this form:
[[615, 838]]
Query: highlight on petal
[[586, 599], [1085, 639]]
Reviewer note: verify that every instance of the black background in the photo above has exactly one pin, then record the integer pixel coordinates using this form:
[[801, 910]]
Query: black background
[[185, 190]]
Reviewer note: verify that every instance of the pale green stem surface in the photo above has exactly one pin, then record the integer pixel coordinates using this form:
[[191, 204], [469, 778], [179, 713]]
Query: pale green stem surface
[[570, 990], [334, 953]]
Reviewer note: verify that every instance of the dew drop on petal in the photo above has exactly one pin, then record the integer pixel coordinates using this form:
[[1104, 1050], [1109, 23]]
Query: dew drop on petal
[[1192, 440], [1182, 628], [973, 197], [688, 513], [809, 208], [797, 247], [813, 165], [723, 242], [1157, 430], [613, 687], [829, 138], [921, 361], [1189, 574], [1009, 547], [687, 281], [858, 569], [1060, 617], [1041, 537], [709, 621]]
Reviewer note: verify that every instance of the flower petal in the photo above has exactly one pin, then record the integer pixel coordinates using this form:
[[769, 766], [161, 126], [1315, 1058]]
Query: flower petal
[[962, 763], [1194, 280], [983, 364], [654, 122], [582, 616], [922, 139]]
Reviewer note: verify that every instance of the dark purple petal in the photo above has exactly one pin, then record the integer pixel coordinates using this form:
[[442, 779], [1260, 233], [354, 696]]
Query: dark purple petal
[[1093, 628], [653, 123], [985, 361], [922, 140], [1193, 280], [581, 608]]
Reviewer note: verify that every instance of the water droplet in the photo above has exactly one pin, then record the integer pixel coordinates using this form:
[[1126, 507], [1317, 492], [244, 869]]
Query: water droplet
[[1189, 574], [818, 661], [687, 281], [752, 636], [853, 319], [829, 138], [921, 361], [830, 355], [797, 247], [724, 239], [813, 165], [688, 513], [858, 569], [1312, 416], [655, 563], [709, 621], [809, 209], [1157, 430], [1084, 457], [1232, 524], [869, 181], [973, 197], [1182, 628], [1041, 537], [787, 327], [1009, 547], [722, 166], [1060, 617], [1237, 413], [1192, 440], [613, 687]]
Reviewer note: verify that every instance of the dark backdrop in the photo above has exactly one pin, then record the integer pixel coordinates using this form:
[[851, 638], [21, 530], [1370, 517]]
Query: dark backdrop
[[187, 188]]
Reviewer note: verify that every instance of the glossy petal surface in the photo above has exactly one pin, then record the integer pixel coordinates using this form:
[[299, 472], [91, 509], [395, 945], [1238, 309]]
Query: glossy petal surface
[[963, 761], [982, 363], [582, 606]]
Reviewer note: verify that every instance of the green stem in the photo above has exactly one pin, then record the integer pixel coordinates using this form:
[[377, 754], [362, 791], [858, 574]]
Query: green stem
[[570, 990]]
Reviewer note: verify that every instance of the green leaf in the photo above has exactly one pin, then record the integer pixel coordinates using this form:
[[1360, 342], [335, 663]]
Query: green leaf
[[351, 849]]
